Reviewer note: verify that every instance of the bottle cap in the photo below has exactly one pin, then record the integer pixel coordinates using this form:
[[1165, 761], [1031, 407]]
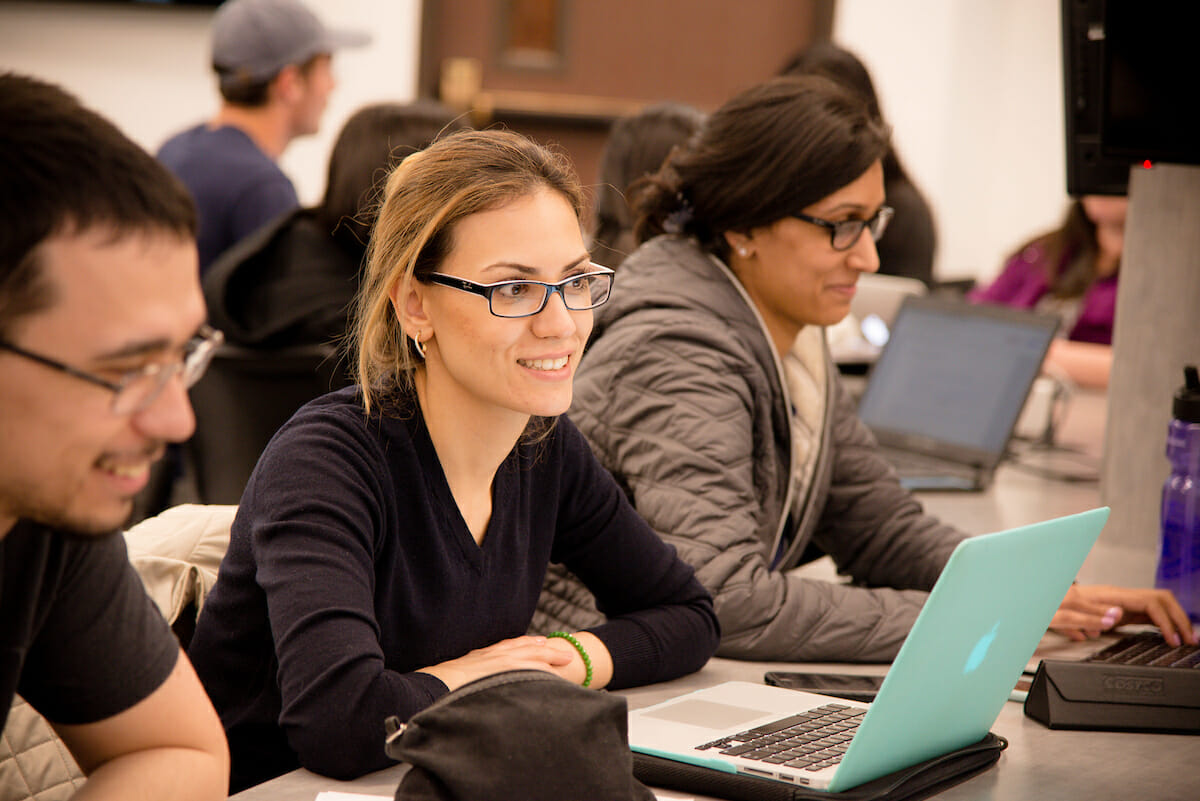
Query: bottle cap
[[1187, 399]]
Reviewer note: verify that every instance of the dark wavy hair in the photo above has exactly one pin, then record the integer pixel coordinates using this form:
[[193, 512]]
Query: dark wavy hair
[[765, 154], [839, 64], [371, 143], [636, 146], [1070, 253]]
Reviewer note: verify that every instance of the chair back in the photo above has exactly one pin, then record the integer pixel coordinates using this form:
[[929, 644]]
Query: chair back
[[243, 399]]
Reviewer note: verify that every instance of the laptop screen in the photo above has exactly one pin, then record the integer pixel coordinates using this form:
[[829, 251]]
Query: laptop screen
[[956, 373]]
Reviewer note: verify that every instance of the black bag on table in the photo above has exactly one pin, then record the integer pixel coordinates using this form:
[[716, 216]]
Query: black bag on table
[[527, 735], [521, 735]]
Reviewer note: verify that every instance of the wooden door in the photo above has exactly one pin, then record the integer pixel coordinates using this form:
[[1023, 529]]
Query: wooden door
[[561, 71]]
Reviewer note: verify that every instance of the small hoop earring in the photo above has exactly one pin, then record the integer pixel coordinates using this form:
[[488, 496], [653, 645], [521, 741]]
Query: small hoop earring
[[417, 346]]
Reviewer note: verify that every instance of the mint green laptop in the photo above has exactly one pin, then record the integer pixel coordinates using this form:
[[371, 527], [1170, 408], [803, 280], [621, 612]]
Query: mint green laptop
[[979, 627]]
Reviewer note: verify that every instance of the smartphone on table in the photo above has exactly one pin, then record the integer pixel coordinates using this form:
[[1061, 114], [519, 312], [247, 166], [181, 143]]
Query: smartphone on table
[[840, 685]]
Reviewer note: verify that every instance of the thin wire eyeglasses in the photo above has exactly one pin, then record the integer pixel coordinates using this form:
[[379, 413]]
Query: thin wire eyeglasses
[[845, 233], [527, 298], [138, 389]]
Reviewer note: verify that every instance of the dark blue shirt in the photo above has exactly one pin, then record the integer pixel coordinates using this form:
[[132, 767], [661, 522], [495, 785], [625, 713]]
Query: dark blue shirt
[[237, 187], [350, 568]]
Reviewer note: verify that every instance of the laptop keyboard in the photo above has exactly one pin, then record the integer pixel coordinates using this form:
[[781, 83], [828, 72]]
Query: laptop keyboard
[[1150, 649], [1138, 683], [812, 740], [909, 463]]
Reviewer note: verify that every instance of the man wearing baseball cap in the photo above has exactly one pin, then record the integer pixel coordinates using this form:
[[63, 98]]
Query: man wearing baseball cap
[[272, 59]]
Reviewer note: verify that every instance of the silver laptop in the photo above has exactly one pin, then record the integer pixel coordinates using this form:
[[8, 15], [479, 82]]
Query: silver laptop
[[877, 300], [980, 625], [945, 394], [880, 296]]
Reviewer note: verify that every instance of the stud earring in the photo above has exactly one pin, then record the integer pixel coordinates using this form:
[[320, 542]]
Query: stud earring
[[417, 346], [744, 252]]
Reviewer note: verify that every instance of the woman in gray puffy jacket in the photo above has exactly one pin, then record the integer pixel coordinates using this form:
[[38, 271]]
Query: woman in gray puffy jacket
[[708, 391]]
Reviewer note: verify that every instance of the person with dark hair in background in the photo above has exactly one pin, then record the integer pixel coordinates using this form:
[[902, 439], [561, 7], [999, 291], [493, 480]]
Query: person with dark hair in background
[[636, 146], [391, 543], [709, 393], [101, 333], [1072, 272], [273, 63], [293, 281], [909, 247]]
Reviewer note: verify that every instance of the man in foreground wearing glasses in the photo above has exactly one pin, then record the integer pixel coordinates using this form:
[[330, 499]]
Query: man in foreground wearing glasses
[[100, 309], [707, 389]]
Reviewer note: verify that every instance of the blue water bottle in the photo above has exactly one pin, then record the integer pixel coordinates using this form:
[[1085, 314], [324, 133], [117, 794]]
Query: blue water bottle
[[1179, 561]]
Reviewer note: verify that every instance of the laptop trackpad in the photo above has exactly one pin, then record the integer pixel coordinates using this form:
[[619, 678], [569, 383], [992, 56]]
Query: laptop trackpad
[[708, 714]]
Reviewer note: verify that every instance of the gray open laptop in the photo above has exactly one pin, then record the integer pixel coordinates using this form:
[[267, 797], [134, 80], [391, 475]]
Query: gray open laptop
[[877, 300], [945, 394], [978, 628]]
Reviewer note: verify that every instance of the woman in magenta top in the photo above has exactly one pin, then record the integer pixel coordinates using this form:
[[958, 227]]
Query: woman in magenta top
[[1071, 271]]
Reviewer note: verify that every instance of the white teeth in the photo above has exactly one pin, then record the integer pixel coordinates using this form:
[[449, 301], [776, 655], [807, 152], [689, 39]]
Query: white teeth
[[128, 471], [544, 364]]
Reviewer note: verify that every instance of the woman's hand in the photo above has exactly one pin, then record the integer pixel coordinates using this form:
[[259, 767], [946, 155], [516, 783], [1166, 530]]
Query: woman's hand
[[576, 671], [1086, 364], [1089, 610], [519, 653]]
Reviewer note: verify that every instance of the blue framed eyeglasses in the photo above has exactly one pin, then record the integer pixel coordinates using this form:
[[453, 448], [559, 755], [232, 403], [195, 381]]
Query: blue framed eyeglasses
[[527, 298], [138, 389], [845, 233]]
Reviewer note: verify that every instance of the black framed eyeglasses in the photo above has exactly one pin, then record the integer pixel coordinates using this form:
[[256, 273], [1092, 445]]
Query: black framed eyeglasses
[[527, 298], [845, 233], [137, 389]]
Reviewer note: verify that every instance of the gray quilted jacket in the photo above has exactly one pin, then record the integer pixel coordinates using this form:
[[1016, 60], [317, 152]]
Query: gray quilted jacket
[[682, 398]]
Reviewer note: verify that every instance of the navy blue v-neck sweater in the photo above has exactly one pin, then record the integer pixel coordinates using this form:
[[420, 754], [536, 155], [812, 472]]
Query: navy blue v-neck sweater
[[350, 568]]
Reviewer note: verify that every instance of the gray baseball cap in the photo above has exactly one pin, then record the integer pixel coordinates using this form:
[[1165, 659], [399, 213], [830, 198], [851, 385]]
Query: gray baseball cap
[[252, 40]]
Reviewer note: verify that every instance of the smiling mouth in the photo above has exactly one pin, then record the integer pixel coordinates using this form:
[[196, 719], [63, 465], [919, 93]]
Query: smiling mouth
[[128, 471], [544, 364], [131, 466]]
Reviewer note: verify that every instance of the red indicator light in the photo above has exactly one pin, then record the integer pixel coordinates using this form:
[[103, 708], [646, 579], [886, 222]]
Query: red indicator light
[[1147, 164]]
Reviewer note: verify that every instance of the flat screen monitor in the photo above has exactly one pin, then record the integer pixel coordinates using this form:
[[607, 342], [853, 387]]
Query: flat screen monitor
[[1130, 77], [1151, 102]]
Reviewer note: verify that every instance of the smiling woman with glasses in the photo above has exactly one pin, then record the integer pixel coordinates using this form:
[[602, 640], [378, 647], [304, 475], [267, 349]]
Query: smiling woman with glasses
[[709, 392], [526, 298], [844, 234], [392, 541]]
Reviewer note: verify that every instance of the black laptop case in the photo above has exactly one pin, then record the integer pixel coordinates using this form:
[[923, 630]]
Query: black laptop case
[[909, 784]]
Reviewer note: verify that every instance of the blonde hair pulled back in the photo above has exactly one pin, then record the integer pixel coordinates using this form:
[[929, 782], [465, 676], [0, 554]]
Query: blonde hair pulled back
[[425, 196]]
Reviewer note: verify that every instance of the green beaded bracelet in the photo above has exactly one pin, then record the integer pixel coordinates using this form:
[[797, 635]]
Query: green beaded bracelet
[[587, 660]]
